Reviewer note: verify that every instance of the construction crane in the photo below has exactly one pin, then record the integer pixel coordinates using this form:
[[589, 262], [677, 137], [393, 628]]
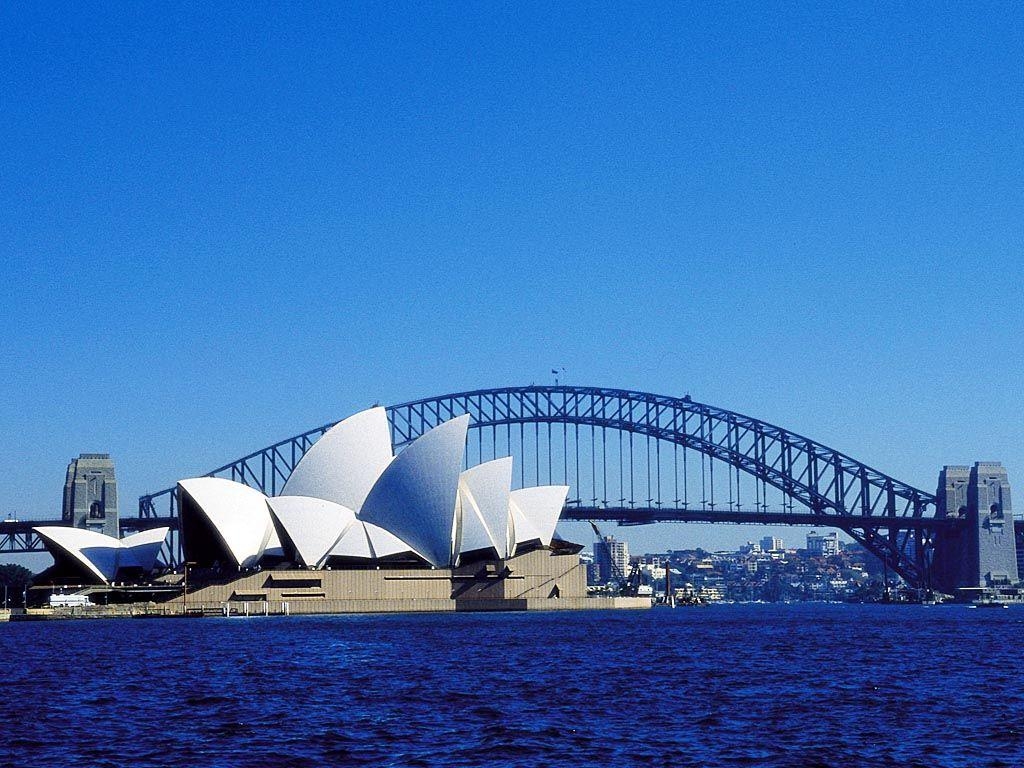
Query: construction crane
[[629, 585]]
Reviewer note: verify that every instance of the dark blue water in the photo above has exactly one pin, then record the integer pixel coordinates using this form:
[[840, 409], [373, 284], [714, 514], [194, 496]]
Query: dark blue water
[[731, 685]]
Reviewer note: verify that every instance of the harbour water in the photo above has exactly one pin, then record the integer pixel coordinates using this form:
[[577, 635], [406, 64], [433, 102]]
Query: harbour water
[[736, 685]]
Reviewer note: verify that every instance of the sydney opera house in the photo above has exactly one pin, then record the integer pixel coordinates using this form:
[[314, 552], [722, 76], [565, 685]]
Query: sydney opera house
[[358, 527]]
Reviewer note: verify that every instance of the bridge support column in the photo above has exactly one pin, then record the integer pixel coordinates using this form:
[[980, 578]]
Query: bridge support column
[[982, 552]]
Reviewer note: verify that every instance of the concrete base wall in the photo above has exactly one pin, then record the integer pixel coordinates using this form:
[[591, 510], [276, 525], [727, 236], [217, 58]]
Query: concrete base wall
[[174, 609], [540, 579], [554, 604], [539, 574]]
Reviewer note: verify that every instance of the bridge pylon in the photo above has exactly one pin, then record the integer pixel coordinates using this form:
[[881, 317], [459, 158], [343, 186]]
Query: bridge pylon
[[982, 551]]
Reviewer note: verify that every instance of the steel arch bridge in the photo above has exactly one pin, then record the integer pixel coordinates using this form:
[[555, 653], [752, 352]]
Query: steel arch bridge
[[635, 458]]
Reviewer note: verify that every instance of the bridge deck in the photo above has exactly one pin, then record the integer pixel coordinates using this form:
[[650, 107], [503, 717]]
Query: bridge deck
[[648, 515], [16, 535]]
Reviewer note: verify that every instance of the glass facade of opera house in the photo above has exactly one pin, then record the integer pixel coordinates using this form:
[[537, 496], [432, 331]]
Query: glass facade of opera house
[[354, 522]]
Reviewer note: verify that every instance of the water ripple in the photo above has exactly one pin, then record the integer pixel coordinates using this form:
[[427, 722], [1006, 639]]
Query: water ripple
[[786, 686]]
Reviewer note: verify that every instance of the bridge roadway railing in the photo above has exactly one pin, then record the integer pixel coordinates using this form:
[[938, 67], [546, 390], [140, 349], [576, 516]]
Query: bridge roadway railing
[[649, 515], [631, 450], [17, 536]]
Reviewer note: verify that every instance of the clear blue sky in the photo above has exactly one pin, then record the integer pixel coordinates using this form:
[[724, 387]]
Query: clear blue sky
[[222, 226]]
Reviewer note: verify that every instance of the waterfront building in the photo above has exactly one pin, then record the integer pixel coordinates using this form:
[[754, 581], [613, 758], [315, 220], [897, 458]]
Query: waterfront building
[[592, 569], [711, 593], [612, 559], [782, 575], [653, 573], [351, 502], [90, 494], [823, 544], [354, 507], [358, 527]]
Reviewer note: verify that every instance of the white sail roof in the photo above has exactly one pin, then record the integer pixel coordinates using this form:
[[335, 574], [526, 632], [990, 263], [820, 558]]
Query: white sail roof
[[415, 496], [354, 543], [349, 496], [523, 530], [386, 544], [535, 512], [343, 465], [366, 541], [101, 556], [237, 513], [95, 552], [140, 550], [312, 526], [484, 507]]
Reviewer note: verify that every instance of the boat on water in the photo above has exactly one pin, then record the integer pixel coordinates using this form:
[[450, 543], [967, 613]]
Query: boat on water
[[989, 604]]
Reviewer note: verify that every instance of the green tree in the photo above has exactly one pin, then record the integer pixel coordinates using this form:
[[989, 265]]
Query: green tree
[[15, 578]]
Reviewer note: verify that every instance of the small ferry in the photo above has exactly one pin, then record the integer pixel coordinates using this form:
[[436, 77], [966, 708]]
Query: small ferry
[[989, 604]]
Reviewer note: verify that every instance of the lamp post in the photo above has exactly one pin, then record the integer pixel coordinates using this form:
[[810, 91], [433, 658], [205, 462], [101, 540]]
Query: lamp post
[[184, 589]]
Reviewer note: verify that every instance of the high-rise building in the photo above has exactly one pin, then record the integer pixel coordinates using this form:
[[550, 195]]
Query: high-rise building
[[772, 544], [90, 494], [823, 544], [612, 559]]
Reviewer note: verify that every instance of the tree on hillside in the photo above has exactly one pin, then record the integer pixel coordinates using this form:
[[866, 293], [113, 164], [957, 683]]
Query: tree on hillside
[[14, 578]]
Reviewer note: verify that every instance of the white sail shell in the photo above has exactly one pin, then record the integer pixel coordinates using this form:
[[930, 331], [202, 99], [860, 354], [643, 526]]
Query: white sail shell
[[535, 512], [311, 526], [414, 498], [238, 515], [484, 507], [345, 462], [100, 556]]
